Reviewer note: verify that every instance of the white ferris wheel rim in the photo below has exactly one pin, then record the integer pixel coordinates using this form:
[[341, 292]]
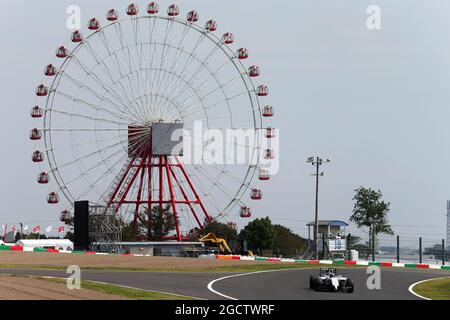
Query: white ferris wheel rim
[[236, 197]]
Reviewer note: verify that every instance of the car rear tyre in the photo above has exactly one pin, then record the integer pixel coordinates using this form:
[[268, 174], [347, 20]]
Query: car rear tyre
[[350, 286], [312, 282]]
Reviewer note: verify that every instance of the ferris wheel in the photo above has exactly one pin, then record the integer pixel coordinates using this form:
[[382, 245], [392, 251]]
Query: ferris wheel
[[125, 79]]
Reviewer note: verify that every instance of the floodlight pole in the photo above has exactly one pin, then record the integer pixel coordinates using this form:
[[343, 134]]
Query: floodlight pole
[[316, 214], [317, 162]]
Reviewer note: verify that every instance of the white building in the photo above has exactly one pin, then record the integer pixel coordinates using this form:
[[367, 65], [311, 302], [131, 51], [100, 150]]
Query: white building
[[58, 244]]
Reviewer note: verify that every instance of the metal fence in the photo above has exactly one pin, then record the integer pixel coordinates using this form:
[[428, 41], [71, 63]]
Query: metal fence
[[388, 248], [402, 249]]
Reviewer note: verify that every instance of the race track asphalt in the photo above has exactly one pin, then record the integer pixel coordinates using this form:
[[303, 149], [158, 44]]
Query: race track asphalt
[[292, 284]]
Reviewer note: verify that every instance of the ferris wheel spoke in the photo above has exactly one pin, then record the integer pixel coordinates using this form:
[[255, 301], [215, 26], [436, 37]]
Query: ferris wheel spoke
[[165, 46], [79, 115], [138, 62], [124, 46], [191, 56], [141, 59], [162, 79], [223, 169], [139, 113], [213, 75], [95, 166], [187, 108], [66, 147], [202, 98], [92, 75], [88, 104], [153, 60], [106, 71], [103, 176], [164, 54], [132, 64], [176, 59], [87, 156], [115, 60], [128, 57], [216, 184], [203, 65], [84, 129], [204, 190], [152, 22], [94, 93], [213, 92], [219, 185]]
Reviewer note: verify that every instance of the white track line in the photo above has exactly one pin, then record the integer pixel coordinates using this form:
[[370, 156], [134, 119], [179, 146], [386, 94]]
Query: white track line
[[210, 285], [411, 287]]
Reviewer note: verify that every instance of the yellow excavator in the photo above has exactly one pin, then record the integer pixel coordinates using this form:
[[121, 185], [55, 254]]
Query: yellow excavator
[[220, 243]]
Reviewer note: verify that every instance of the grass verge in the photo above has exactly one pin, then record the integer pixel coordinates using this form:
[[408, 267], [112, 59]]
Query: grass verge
[[434, 289], [124, 292]]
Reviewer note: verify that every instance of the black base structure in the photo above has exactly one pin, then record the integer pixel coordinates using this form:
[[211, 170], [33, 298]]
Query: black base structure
[[81, 225]]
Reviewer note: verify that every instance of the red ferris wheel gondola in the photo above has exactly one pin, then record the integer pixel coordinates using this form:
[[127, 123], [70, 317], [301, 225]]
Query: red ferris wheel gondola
[[37, 112], [270, 133], [256, 194], [50, 70], [41, 91], [153, 8], [192, 16], [76, 37], [228, 38], [112, 15], [94, 24], [62, 52], [35, 134], [242, 53], [132, 10], [269, 154], [43, 178], [37, 156], [211, 25], [246, 212], [254, 71], [264, 175], [268, 111], [65, 215], [173, 10], [52, 198], [262, 91]]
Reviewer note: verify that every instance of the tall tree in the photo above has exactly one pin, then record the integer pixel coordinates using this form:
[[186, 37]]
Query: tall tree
[[286, 241], [153, 225], [259, 234], [370, 210]]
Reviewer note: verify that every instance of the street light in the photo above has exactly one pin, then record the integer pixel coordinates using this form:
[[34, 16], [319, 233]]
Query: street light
[[317, 162]]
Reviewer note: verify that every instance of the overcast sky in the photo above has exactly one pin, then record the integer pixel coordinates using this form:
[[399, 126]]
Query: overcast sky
[[376, 102]]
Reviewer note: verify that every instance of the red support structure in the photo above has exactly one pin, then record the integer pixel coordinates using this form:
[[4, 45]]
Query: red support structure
[[134, 188]]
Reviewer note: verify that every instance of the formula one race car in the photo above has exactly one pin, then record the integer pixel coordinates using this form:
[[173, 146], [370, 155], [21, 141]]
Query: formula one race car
[[328, 280]]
